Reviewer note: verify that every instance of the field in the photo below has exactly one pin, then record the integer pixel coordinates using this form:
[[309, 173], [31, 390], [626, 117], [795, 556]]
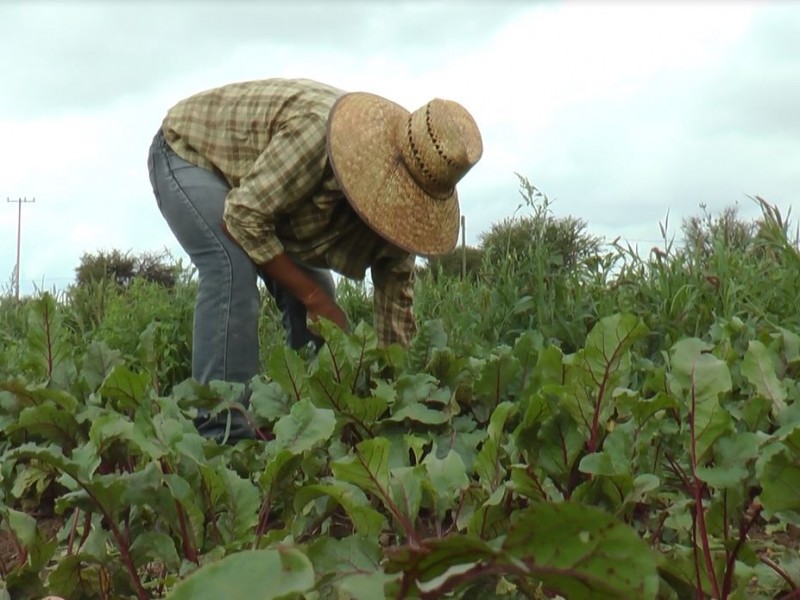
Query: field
[[573, 419]]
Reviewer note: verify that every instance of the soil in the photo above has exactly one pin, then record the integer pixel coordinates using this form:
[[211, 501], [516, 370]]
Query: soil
[[48, 527], [790, 539]]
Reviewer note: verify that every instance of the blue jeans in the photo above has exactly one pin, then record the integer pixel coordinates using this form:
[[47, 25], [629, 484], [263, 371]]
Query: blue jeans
[[225, 339]]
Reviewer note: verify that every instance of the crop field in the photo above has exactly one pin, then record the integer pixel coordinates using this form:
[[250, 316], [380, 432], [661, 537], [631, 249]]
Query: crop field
[[573, 419]]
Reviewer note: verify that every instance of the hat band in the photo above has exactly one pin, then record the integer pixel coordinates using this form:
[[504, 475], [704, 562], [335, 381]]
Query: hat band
[[432, 184]]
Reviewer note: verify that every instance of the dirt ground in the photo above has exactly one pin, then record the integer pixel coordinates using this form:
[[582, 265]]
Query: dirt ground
[[48, 526]]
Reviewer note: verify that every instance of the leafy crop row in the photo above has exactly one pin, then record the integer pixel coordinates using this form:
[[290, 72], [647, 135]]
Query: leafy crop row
[[522, 472]]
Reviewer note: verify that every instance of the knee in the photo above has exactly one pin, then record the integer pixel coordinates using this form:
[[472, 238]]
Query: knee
[[225, 277]]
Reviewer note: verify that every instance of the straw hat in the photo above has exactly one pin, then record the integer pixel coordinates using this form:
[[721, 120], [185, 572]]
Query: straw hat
[[399, 169]]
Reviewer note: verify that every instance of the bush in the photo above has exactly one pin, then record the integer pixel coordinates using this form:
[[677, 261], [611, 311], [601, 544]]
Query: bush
[[452, 264], [540, 239], [122, 268]]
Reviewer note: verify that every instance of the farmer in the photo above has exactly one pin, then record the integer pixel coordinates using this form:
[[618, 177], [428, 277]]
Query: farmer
[[287, 179]]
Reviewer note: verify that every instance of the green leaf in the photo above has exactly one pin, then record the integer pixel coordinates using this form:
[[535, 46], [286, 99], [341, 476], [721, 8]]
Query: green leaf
[[155, 546], [779, 474], [436, 556], [254, 574], [643, 409], [496, 376], [72, 577], [405, 490], [243, 503], [355, 553], [446, 367], [360, 351], [23, 526], [97, 544], [593, 373], [549, 367], [711, 378], [488, 465], [52, 456], [48, 341], [353, 564], [491, 519], [464, 439], [642, 488], [368, 468], [366, 520], [582, 552], [180, 489], [34, 479], [420, 413], [102, 493], [525, 481], [125, 388], [363, 586], [446, 477], [760, 368], [560, 445], [419, 388], [235, 498], [791, 345], [279, 469], [366, 410], [269, 401], [109, 426], [288, 369], [304, 427], [683, 356], [50, 422], [700, 378], [731, 457], [98, 363], [500, 416], [615, 458], [430, 336], [526, 349]]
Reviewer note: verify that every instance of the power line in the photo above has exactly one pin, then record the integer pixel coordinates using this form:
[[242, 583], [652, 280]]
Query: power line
[[19, 202]]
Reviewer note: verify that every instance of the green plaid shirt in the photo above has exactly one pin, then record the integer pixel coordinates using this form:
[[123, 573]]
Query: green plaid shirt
[[267, 138]]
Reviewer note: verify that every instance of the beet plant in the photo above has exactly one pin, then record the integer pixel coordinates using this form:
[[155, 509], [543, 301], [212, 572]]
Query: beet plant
[[518, 472]]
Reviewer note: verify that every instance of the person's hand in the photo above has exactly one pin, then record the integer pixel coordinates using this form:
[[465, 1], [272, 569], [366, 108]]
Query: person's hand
[[319, 304]]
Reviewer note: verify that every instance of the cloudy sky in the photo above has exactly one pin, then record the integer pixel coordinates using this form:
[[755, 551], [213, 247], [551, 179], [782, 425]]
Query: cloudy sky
[[620, 112]]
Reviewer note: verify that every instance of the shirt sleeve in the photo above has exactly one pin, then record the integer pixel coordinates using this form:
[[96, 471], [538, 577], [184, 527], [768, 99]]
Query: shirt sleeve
[[393, 299], [285, 174]]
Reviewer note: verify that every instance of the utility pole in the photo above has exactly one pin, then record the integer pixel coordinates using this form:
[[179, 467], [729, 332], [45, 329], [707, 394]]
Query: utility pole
[[19, 202]]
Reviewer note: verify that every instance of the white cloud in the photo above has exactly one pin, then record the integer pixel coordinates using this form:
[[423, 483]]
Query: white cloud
[[621, 111]]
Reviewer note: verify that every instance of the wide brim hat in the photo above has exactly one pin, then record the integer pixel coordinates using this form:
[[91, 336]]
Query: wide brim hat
[[399, 169]]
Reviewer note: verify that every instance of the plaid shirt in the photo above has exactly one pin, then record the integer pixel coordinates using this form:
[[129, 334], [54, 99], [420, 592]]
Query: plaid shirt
[[267, 138]]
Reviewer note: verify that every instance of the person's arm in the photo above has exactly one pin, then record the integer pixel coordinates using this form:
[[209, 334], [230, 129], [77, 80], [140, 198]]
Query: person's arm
[[285, 174], [393, 300], [318, 303]]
